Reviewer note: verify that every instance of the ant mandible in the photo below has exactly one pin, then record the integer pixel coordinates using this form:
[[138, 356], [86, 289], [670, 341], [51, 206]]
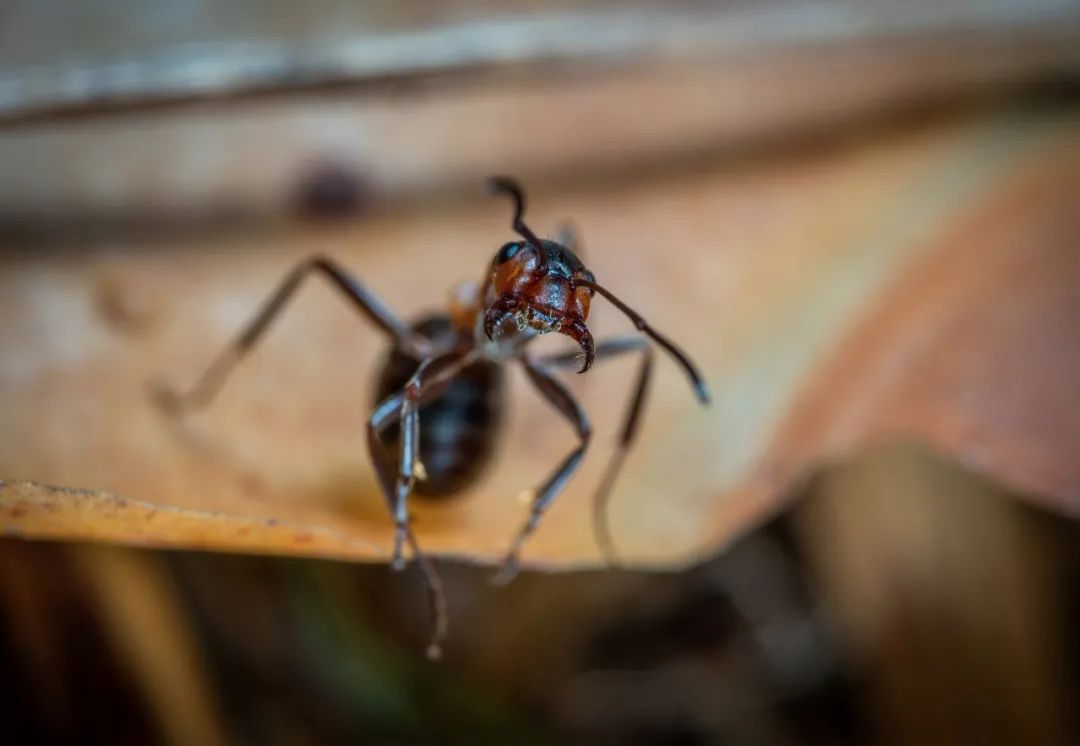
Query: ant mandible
[[439, 395]]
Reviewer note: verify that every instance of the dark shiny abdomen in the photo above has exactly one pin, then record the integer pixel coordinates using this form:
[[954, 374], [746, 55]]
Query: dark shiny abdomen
[[457, 430]]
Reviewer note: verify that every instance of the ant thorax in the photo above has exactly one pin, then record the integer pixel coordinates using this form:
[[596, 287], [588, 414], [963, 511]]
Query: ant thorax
[[464, 305]]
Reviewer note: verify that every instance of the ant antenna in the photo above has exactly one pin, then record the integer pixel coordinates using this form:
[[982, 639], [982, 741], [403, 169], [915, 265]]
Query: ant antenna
[[507, 185], [700, 388]]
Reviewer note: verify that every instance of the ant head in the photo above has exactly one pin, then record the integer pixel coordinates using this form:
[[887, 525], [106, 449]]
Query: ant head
[[538, 285]]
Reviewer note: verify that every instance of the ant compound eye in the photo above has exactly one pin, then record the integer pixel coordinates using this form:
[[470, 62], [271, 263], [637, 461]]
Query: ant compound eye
[[507, 252]]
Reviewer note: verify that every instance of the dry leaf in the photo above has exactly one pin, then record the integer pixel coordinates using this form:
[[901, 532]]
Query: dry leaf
[[920, 285]]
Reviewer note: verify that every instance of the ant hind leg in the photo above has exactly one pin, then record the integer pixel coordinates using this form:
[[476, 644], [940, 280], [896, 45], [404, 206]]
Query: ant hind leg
[[208, 385]]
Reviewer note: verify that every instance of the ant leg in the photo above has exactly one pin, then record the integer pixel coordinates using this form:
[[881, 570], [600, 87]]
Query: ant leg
[[429, 376], [606, 350], [436, 599], [384, 413], [562, 400], [405, 405], [370, 306]]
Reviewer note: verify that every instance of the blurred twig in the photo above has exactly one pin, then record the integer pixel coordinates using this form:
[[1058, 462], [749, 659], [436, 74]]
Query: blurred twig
[[148, 628], [58, 59]]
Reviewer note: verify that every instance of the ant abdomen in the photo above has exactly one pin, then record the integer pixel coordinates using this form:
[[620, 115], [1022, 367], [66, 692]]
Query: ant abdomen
[[458, 430]]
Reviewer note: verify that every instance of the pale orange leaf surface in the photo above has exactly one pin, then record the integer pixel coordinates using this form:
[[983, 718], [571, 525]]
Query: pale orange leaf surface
[[921, 285]]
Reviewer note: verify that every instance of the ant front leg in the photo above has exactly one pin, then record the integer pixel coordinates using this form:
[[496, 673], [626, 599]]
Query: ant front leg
[[363, 299], [605, 351], [426, 381], [564, 402]]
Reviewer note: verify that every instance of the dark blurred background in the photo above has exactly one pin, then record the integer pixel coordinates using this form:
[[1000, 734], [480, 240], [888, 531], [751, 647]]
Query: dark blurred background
[[901, 600], [899, 597]]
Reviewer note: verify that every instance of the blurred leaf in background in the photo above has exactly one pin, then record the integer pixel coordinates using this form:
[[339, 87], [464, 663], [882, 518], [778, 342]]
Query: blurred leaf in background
[[860, 218]]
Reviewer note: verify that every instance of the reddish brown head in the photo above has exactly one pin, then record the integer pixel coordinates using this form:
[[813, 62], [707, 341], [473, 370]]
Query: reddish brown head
[[537, 288], [542, 286], [538, 285]]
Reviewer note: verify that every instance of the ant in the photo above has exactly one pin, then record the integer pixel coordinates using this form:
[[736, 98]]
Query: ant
[[438, 405]]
